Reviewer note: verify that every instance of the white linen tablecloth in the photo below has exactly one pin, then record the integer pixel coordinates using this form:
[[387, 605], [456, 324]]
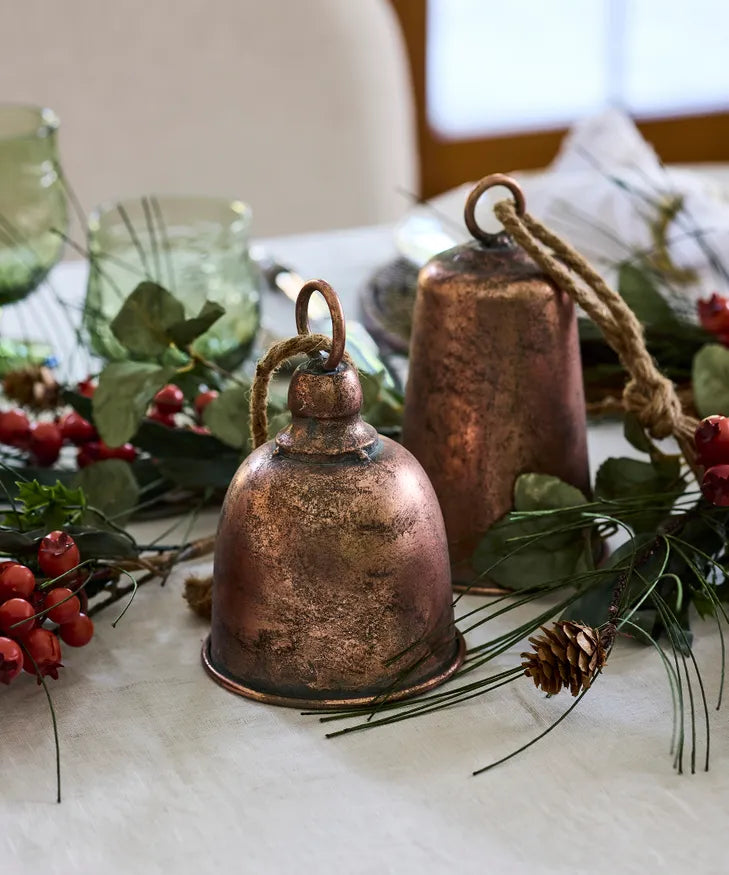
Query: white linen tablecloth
[[164, 771]]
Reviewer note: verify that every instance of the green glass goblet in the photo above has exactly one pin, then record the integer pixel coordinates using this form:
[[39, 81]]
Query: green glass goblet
[[195, 247], [32, 199]]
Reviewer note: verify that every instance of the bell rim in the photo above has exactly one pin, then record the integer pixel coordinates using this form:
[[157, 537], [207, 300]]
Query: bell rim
[[443, 674]]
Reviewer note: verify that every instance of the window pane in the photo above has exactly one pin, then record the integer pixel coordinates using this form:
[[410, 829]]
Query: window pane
[[676, 56], [497, 66]]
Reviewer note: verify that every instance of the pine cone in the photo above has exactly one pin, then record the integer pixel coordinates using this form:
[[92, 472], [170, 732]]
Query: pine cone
[[34, 387], [567, 655]]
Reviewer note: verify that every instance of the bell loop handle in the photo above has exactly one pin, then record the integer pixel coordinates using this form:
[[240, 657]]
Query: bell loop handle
[[339, 332], [469, 213]]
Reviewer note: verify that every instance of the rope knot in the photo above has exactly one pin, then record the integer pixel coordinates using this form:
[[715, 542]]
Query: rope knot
[[655, 403]]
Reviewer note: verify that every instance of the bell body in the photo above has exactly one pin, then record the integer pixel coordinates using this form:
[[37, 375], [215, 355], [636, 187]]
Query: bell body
[[494, 388], [331, 560]]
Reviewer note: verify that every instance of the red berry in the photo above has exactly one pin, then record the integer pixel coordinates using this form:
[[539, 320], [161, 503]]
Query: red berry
[[16, 611], [78, 632], [714, 314], [11, 660], [14, 428], [57, 554], [46, 441], [169, 399], [126, 452], [715, 485], [88, 454], [65, 606], [76, 429], [163, 418], [711, 440], [45, 649], [86, 388], [16, 581], [203, 399]]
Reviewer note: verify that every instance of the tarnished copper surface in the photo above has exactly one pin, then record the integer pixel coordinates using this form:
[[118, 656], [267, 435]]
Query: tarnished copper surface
[[495, 382], [331, 583]]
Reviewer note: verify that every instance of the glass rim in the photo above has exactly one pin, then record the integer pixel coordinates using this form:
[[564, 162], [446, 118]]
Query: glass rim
[[236, 206], [40, 121]]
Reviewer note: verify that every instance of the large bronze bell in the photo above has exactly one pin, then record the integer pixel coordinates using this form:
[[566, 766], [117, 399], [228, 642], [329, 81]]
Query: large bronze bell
[[331, 583], [495, 382]]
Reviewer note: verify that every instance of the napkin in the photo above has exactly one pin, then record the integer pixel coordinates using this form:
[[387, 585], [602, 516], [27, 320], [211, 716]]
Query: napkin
[[603, 193]]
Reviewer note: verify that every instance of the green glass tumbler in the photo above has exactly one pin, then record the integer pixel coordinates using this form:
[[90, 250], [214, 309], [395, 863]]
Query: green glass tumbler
[[195, 247], [32, 199]]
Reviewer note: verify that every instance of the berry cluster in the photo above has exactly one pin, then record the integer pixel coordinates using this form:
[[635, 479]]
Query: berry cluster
[[170, 400], [714, 317], [28, 601], [712, 447], [43, 440]]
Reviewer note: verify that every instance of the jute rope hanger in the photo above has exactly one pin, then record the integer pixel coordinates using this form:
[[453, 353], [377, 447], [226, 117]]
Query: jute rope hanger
[[648, 393], [304, 343]]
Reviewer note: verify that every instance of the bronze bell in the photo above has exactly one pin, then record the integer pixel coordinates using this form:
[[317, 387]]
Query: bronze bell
[[495, 382], [331, 583]]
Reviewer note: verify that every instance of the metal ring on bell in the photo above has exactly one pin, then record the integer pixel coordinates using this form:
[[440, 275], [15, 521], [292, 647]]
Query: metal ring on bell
[[469, 213], [339, 331]]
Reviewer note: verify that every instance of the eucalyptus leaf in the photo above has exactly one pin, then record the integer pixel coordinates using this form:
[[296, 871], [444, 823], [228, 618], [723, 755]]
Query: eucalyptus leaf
[[145, 318], [635, 434], [545, 492], [522, 564], [184, 332], [710, 375], [227, 416], [658, 481], [111, 487], [121, 399], [637, 286]]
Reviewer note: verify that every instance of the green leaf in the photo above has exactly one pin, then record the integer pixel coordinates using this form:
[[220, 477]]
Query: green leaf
[[96, 543], [659, 482], [710, 375], [545, 492], [382, 405], [143, 322], [201, 472], [227, 416], [181, 443], [49, 506], [635, 434], [536, 560], [637, 286], [111, 487], [121, 399], [183, 333]]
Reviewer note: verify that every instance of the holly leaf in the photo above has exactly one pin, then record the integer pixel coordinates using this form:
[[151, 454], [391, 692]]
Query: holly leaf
[[227, 416], [523, 553], [710, 375], [638, 289], [121, 399], [143, 323], [111, 487], [45, 506], [184, 332]]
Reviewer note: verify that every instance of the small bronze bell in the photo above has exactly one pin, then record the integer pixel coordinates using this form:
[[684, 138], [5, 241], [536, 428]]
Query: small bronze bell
[[331, 583], [495, 382]]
